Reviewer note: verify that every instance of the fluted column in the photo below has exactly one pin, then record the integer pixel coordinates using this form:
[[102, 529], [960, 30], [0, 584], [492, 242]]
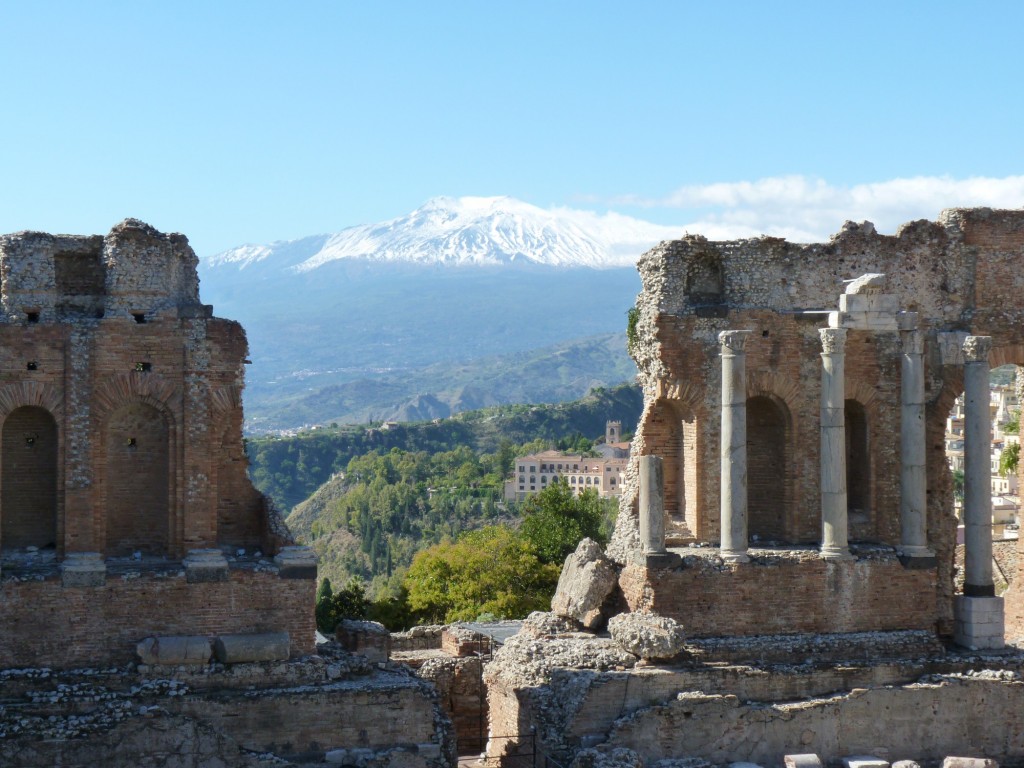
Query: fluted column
[[734, 446], [977, 469], [913, 477], [834, 539]]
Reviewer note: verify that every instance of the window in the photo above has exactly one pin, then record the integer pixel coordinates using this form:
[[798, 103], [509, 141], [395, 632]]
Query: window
[[522, 467]]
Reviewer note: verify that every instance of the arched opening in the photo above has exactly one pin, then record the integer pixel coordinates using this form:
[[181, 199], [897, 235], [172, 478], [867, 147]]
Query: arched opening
[[858, 469], [767, 458], [676, 427], [137, 481], [28, 501]]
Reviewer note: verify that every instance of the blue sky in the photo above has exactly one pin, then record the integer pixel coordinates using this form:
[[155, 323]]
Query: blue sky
[[240, 122]]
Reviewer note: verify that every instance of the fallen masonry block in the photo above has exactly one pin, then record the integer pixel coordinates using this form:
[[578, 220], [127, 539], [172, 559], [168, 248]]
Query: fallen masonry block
[[864, 761], [647, 635], [802, 761], [235, 649], [367, 638], [185, 649], [969, 762], [588, 577]]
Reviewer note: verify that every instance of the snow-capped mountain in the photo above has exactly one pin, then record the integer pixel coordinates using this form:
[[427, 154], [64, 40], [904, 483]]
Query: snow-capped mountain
[[469, 231]]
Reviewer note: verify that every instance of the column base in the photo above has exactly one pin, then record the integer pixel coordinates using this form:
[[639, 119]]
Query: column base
[[979, 622], [83, 569], [836, 554], [205, 565], [734, 556], [914, 557], [296, 562], [657, 559]]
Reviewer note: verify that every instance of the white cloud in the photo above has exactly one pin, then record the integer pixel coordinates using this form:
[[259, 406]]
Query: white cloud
[[805, 209]]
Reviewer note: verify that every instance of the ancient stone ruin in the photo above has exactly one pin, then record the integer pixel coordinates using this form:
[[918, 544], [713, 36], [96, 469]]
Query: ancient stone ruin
[[789, 509], [154, 607]]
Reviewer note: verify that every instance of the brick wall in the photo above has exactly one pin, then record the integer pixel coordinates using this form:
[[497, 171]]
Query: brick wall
[[48, 625], [785, 594]]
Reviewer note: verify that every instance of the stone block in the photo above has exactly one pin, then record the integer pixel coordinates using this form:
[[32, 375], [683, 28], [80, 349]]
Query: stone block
[[906, 764], [296, 563], [969, 762], [864, 761], [205, 565], [83, 569], [367, 638], [646, 635], [979, 622], [878, 302], [237, 649], [587, 579], [184, 649], [807, 760]]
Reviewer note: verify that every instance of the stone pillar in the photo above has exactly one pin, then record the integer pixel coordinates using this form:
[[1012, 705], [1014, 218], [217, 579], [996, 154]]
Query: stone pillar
[[734, 446], [834, 544], [977, 469], [913, 477], [652, 515], [978, 612]]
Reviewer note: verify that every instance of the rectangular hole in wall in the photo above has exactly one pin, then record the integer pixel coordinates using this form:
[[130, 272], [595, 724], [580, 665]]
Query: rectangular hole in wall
[[32, 366], [32, 316], [140, 317], [143, 367]]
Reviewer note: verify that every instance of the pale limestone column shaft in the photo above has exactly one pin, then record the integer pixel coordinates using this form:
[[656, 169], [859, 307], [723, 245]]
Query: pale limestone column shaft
[[834, 539], [913, 476], [734, 446], [652, 505], [977, 469]]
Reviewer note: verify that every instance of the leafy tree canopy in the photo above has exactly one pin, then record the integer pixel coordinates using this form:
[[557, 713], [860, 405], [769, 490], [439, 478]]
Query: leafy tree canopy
[[556, 521]]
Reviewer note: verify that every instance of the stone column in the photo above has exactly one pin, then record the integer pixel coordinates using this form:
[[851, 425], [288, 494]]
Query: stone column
[[834, 544], [978, 612], [977, 469], [913, 477], [653, 553], [734, 446]]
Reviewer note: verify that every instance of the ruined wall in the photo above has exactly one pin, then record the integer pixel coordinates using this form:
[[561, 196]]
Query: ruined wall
[[121, 434], [49, 625], [784, 592], [961, 273], [280, 713]]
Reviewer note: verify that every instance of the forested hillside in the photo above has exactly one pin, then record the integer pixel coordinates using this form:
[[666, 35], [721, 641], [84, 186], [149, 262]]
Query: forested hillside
[[290, 469]]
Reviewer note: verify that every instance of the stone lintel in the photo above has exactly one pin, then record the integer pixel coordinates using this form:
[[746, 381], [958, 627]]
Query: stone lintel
[[296, 562], [83, 569], [918, 562], [205, 565], [652, 560]]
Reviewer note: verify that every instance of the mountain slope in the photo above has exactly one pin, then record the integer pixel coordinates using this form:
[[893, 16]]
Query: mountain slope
[[469, 231]]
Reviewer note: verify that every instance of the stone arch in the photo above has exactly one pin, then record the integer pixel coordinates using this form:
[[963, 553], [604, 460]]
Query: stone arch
[[705, 280], [29, 478], [31, 393], [147, 408], [672, 433]]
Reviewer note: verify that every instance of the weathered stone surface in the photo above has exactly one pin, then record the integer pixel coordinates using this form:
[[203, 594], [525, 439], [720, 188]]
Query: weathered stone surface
[[969, 762], [234, 649], [807, 760], [646, 635], [545, 624], [612, 758], [864, 761], [174, 650], [367, 638], [906, 764], [587, 579]]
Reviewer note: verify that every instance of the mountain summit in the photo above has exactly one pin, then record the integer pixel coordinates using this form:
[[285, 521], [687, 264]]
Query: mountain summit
[[469, 231]]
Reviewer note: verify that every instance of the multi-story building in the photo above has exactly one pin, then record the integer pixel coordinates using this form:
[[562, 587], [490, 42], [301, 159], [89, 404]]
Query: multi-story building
[[604, 474]]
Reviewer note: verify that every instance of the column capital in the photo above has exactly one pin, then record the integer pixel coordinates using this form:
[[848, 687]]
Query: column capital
[[907, 321], [976, 349], [832, 340], [733, 341], [913, 342]]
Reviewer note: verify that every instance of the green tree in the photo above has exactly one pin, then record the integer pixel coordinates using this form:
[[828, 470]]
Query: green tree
[[348, 603], [490, 570], [1009, 459], [958, 484], [556, 521]]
